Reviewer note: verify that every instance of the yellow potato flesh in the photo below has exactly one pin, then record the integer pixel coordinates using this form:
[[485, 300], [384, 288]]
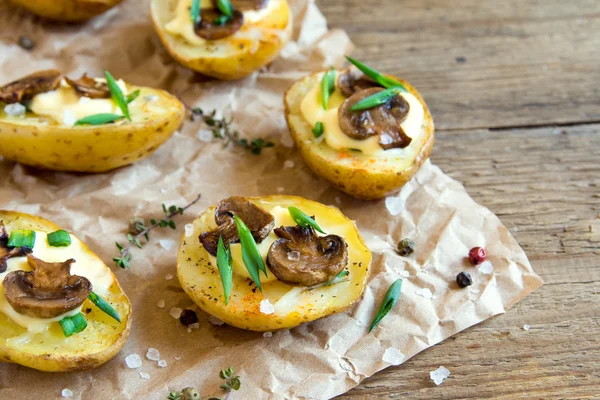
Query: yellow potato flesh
[[232, 57], [202, 282], [41, 142], [67, 10], [367, 177], [51, 350]]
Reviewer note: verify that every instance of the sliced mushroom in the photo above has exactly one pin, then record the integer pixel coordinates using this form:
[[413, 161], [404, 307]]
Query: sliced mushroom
[[384, 120], [5, 252], [249, 5], [302, 258], [259, 221], [49, 290], [352, 80], [89, 87], [209, 28], [25, 88]]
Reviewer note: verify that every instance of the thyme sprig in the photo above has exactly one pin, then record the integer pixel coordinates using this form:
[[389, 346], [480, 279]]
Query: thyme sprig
[[139, 230], [232, 382]]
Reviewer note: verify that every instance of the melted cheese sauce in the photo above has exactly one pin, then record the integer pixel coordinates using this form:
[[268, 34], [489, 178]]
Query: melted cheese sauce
[[181, 25], [313, 112], [87, 265], [65, 106]]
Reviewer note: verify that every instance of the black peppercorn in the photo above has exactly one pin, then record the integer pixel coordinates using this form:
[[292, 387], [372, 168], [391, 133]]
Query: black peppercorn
[[406, 247], [188, 317], [464, 279], [26, 43]]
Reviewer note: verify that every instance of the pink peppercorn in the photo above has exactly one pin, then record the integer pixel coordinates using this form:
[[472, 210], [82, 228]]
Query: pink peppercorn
[[477, 255]]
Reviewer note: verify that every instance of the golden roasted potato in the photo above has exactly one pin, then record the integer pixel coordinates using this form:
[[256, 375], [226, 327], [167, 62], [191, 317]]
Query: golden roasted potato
[[292, 305], [365, 176], [261, 37], [67, 10], [50, 350], [41, 141]]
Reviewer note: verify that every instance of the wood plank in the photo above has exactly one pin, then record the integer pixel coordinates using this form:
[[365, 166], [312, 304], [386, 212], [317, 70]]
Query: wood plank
[[484, 63]]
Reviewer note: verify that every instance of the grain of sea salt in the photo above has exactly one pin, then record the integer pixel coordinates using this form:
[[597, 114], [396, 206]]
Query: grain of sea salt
[[526, 327], [393, 356], [145, 376], [166, 244], [195, 325], [293, 255], [175, 312], [288, 164], [266, 307], [168, 277], [161, 304], [215, 321], [439, 375], [268, 334], [153, 354], [133, 361], [486, 267], [66, 393], [205, 135], [425, 292], [162, 364], [15, 110], [189, 230]]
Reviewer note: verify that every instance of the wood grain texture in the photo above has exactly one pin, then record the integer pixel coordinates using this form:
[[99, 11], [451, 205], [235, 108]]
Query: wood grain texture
[[499, 77]]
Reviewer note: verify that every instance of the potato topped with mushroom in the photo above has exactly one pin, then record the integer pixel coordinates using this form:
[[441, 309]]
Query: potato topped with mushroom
[[274, 262], [225, 39], [365, 132], [87, 124]]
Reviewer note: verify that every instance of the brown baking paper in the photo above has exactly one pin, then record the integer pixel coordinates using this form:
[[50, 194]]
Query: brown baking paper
[[317, 360]]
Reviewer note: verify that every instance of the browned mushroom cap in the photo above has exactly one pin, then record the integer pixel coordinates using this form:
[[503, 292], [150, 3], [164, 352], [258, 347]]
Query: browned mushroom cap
[[302, 258], [46, 292], [259, 221], [248, 5], [209, 28], [5, 252], [383, 120], [352, 80], [25, 88], [89, 87]]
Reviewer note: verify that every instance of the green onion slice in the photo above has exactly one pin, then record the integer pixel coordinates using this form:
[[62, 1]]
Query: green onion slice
[[225, 269], [327, 87], [303, 220], [72, 325], [318, 129], [59, 239], [376, 99], [225, 7], [104, 306], [195, 11], [250, 254], [132, 96], [389, 301], [21, 238], [339, 278], [117, 94], [98, 119], [378, 77]]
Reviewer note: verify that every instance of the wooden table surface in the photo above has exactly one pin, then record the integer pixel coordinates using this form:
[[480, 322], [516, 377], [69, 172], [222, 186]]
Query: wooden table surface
[[514, 88]]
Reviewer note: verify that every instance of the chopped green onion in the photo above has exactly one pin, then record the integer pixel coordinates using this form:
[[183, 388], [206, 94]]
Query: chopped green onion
[[104, 306], [132, 96], [318, 129], [21, 238], [378, 77], [195, 11], [303, 220], [72, 325], [117, 94], [327, 87], [250, 254], [224, 264], [376, 99], [98, 119], [389, 301], [225, 7], [59, 239]]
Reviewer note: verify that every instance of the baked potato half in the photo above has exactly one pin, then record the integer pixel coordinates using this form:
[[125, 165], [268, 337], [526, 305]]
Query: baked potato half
[[285, 301], [44, 140], [365, 176], [262, 35], [67, 10], [42, 345]]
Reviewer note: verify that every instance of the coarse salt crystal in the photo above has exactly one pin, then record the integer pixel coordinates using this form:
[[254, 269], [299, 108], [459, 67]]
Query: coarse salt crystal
[[266, 307], [145, 376], [195, 325], [151, 97], [288, 164], [293, 255], [162, 363], [486, 267], [526, 327], [189, 230], [393, 356], [166, 244], [205, 135], [215, 321], [68, 117], [395, 205], [168, 277], [425, 292], [439, 375], [177, 358], [268, 334], [15, 110], [153, 354], [280, 189], [161, 304], [66, 393], [175, 312], [133, 361]]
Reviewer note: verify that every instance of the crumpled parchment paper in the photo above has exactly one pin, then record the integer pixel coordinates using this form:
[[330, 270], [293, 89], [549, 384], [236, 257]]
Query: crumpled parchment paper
[[317, 360]]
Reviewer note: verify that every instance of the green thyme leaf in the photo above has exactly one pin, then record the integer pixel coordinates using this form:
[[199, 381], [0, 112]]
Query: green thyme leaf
[[225, 269], [195, 11], [378, 77], [117, 94], [104, 306], [376, 99], [389, 301], [250, 254], [132, 96], [327, 87], [303, 220], [318, 129], [98, 119], [225, 7]]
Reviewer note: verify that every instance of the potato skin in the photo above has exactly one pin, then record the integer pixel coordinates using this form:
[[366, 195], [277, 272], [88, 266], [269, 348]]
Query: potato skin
[[234, 64], [351, 174], [67, 10], [97, 344], [92, 148]]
